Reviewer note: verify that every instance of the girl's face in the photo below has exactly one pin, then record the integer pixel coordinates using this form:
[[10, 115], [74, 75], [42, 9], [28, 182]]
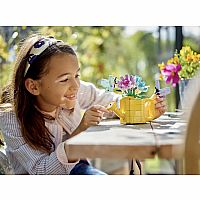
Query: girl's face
[[60, 86]]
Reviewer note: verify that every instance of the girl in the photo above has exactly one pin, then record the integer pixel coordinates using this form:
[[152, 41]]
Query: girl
[[48, 98]]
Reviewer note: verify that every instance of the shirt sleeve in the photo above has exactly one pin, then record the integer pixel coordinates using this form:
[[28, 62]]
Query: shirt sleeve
[[61, 154], [89, 95], [34, 161]]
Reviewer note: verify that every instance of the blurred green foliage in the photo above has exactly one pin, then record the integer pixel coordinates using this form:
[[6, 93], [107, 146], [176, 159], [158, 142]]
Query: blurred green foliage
[[193, 42], [3, 49], [6, 74], [102, 51]]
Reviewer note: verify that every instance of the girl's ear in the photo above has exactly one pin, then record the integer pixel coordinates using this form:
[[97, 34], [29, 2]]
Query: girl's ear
[[32, 86]]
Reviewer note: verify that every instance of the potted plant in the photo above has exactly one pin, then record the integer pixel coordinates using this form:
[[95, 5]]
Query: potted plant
[[134, 106], [180, 68]]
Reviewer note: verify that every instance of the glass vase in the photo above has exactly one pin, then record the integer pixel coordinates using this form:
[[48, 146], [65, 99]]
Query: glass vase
[[182, 87]]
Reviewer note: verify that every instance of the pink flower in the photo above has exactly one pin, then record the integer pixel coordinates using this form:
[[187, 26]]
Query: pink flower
[[170, 72], [126, 82]]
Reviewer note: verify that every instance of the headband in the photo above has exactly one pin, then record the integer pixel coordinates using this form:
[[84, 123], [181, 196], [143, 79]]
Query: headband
[[38, 48]]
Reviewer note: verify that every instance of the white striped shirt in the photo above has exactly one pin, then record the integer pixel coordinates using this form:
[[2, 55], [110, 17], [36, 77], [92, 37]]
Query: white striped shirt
[[26, 160]]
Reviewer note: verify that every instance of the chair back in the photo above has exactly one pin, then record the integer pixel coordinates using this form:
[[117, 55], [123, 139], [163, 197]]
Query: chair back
[[192, 146]]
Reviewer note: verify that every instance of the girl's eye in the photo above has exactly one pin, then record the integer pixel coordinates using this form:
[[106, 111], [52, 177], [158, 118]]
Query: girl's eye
[[77, 76], [64, 80]]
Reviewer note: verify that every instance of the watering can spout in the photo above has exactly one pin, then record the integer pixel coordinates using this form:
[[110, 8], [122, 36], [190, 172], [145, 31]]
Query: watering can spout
[[113, 107]]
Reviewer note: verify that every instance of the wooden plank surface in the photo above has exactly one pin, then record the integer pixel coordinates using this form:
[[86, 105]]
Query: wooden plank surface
[[110, 139], [169, 131]]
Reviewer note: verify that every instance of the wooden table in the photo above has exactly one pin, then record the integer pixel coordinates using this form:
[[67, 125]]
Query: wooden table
[[110, 139]]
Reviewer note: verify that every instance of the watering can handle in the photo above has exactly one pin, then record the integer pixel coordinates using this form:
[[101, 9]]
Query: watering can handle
[[150, 109]]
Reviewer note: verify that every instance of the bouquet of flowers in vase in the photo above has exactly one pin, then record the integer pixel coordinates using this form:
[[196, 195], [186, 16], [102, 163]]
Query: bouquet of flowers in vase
[[183, 65], [132, 85]]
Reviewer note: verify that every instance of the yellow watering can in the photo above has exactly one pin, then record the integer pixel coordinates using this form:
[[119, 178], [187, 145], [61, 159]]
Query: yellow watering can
[[133, 110]]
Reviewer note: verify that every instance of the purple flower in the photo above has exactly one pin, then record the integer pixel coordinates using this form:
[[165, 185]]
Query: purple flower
[[132, 85], [170, 72], [126, 82]]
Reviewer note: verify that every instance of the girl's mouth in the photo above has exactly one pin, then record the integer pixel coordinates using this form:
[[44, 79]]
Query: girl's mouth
[[71, 97]]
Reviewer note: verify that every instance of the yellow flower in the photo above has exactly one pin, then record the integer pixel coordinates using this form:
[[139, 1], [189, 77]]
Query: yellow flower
[[137, 91], [187, 59], [185, 51], [170, 61], [182, 52], [160, 77], [176, 60], [195, 58], [161, 66]]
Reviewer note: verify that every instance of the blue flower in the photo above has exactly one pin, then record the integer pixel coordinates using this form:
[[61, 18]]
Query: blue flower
[[141, 85]]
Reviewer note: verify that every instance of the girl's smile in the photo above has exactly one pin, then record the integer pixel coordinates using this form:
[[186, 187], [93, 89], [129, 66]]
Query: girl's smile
[[71, 97]]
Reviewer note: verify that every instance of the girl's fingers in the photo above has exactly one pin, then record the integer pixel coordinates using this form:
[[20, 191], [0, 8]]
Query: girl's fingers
[[162, 109], [159, 99], [99, 108], [90, 119], [94, 113], [94, 118], [160, 104], [94, 123]]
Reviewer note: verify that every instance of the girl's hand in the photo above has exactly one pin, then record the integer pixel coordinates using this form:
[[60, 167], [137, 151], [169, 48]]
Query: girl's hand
[[160, 106], [92, 116]]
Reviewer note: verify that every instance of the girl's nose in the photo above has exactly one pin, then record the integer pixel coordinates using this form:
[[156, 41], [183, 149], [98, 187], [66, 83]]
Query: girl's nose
[[75, 84]]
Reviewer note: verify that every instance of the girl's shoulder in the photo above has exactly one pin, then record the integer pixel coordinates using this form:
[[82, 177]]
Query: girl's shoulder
[[84, 84], [86, 89]]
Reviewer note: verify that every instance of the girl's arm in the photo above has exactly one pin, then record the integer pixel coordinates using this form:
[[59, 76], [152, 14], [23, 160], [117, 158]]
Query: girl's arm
[[90, 95]]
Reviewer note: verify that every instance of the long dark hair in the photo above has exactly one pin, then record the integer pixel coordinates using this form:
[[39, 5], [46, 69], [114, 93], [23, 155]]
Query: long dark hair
[[32, 121]]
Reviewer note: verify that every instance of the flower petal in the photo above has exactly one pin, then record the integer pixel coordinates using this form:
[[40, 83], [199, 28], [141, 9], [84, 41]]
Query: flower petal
[[178, 67], [168, 79]]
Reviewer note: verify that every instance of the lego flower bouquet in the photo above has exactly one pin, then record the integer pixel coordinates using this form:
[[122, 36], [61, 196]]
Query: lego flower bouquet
[[181, 66], [132, 85]]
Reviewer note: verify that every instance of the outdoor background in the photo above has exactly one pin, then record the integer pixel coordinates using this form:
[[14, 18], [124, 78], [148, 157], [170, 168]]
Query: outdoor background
[[88, 12], [107, 50], [110, 50]]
